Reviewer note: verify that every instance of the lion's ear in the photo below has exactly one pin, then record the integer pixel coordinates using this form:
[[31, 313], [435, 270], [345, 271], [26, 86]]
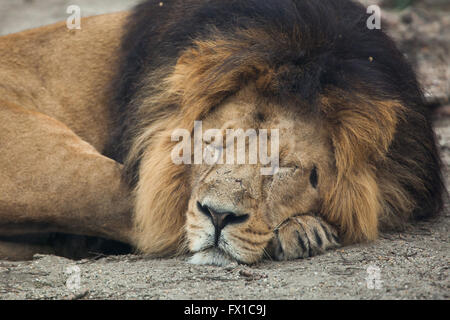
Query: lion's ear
[[361, 131]]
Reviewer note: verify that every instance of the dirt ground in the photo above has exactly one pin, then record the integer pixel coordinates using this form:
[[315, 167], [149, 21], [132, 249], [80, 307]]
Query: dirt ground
[[410, 265]]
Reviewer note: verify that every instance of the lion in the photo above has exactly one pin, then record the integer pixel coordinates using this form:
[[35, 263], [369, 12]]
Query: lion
[[87, 120]]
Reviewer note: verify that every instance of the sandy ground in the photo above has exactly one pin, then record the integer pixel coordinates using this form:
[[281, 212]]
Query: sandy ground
[[410, 265]]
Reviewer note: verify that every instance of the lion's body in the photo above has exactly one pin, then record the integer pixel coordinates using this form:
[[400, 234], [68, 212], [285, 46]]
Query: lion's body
[[64, 73], [347, 104], [55, 119]]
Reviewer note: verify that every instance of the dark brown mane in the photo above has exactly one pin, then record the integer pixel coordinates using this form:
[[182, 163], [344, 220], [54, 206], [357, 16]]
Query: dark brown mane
[[187, 56]]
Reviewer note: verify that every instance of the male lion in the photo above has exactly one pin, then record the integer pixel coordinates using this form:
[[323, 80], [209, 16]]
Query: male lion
[[86, 119]]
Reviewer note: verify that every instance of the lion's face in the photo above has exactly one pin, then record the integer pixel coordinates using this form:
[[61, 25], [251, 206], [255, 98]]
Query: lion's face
[[234, 209]]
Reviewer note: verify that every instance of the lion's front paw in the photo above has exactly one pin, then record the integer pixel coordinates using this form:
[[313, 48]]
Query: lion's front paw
[[301, 237]]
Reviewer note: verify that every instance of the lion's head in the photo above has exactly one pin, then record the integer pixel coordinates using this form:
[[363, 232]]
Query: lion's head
[[355, 143], [234, 208]]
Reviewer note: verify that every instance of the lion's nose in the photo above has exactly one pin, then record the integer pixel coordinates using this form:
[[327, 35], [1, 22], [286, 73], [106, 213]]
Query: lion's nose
[[221, 218]]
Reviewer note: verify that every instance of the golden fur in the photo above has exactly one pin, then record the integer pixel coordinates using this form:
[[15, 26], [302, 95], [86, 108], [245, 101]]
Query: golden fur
[[54, 121]]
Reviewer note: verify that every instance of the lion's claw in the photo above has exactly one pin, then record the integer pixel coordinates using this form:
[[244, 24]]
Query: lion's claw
[[301, 237]]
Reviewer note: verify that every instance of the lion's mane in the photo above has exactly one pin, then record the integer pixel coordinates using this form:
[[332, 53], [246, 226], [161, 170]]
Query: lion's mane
[[183, 58]]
